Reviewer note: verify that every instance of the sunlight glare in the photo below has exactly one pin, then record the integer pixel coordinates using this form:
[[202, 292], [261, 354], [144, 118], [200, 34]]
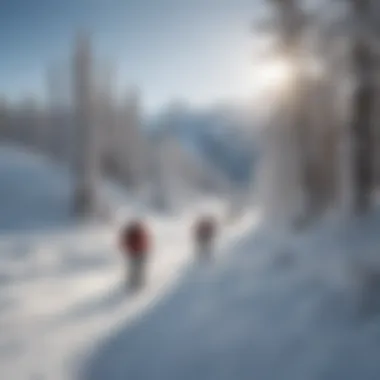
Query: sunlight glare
[[275, 75]]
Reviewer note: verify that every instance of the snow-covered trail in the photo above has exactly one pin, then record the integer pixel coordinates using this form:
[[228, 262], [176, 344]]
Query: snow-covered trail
[[62, 290], [62, 294]]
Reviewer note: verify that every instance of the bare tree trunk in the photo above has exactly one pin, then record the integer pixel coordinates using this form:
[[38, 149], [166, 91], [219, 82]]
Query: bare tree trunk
[[86, 163], [376, 117], [376, 126], [291, 29], [4, 119], [363, 108]]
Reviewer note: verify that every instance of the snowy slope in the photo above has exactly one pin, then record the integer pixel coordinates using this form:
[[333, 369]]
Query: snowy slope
[[33, 194], [62, 288], [279, 307], [187, 173], [222, 136]]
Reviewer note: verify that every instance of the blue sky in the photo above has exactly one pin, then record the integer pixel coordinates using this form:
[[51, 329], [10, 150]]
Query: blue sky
[[196, 50]]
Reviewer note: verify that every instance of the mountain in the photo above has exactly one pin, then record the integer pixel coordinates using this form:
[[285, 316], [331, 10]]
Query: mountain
[[222, 136]]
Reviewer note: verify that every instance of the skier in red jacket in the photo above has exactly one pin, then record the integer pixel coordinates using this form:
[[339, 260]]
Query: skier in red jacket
[[135, 245], [205, 231]]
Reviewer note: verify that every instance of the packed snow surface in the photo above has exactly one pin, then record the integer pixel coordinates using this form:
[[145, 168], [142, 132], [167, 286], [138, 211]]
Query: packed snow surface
[[279, 306], [62, 283]]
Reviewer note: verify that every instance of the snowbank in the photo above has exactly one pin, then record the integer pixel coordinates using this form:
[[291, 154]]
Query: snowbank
[[34, 193]]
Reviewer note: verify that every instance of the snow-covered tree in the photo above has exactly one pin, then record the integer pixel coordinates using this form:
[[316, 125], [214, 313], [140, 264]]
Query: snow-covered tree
[[57, 134], [87, 144], [284, 185], [106, 118], [4, 118], [131, 146], [322, 143], [28, 118]]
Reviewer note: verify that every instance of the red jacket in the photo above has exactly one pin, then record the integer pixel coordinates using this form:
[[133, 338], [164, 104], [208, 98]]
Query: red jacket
[[135, 240]]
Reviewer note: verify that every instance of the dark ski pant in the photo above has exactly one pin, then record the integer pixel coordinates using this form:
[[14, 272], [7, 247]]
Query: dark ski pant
[[136, 272], [205, 251]]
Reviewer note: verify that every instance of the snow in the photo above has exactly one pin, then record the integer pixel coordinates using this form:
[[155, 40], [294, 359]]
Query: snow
[[272, 305], [62, 288], [32, 193], [280, 306]]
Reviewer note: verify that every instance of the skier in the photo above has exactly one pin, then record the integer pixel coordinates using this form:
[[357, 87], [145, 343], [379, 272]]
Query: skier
[[135, 245], [205, 231]]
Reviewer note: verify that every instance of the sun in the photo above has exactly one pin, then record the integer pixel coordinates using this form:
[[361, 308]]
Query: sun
[[274, 76]]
